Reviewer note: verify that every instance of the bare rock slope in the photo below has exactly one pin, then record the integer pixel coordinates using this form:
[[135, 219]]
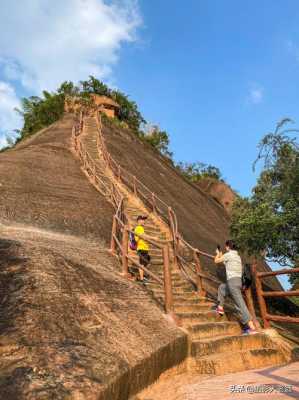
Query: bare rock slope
[[70, 325]]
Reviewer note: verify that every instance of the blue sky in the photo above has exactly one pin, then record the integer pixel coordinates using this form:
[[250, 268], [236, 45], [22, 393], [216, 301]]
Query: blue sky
[[215, 74]]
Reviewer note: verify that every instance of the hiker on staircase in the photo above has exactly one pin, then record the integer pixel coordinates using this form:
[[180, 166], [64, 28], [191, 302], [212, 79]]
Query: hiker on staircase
[[142, 245], [233, 285]]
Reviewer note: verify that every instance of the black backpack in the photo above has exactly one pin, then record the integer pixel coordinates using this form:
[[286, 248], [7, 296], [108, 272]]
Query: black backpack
[[246, 276]]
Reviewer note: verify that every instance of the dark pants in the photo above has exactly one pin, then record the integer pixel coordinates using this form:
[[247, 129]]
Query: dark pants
[[144, 257]]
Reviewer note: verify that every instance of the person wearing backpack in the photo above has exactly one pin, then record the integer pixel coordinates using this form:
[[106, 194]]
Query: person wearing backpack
[[233, 285], [142, 245]]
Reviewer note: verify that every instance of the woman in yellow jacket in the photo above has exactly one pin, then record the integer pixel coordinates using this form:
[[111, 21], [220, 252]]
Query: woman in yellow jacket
[[142, 245]]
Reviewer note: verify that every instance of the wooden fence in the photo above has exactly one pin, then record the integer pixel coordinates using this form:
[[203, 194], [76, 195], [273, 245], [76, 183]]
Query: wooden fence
[[189, 266]]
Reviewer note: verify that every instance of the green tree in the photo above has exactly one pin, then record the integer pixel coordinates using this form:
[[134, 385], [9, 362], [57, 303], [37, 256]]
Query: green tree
[[39, 112], [128, 112], [267, 223], [68, 88], [94, 86], [158, 139], [195, 171]]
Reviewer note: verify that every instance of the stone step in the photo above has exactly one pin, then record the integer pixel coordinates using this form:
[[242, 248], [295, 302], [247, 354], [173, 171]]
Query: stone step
[[155, 251], [174, 277], [154, 285], [178, 295], [176, 284], [202, 330], [134, 215], [154, 261], [209, 316], [135, 211], [175, 291], [220, 344], [225, 363], [193, 307], [181, 301]]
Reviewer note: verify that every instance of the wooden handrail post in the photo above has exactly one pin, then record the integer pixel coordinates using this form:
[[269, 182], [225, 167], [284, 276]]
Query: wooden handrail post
[[167, 281], [112, 193], [154, 203], [261, 300], [200, 287], [125, 243], [94, 173], [135, 186], [114, 228], [174, 238], [250, 306]]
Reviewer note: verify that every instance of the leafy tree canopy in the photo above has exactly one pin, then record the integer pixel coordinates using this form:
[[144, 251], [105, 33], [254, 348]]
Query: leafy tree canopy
[[195, 171], [39, 112], [268, 222], [157, 138]]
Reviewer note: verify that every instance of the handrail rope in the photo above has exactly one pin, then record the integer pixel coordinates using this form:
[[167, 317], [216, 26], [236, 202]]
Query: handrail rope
[[171, 219], [157, 198], [118, 200], [118, 167], [111, 159]]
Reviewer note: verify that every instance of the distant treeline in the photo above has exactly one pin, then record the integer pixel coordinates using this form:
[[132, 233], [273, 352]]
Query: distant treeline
[[40, 112]]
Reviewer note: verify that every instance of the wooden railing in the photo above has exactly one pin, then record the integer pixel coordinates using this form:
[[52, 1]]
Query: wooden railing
[[120, 228], [120, 246], [261, 295], [190, 266], [95, 173]]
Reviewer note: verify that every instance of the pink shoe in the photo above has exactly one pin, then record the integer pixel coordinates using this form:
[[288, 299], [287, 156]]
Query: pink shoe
[[220, 310]]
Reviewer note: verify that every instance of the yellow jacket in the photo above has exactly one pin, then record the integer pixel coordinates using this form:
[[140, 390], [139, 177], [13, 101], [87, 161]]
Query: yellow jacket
[[141, 244]]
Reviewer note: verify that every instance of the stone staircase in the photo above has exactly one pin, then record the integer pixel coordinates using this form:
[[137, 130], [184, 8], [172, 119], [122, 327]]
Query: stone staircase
[[216, 344]]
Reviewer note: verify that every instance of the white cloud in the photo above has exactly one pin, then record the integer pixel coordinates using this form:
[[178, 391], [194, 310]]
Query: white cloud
[[44, 42], [9, 119], [256, 94]]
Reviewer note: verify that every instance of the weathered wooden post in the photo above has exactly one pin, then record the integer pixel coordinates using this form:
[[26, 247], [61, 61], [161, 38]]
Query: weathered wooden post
[[261, 300], [135, 186], [113, 234], [174, 239], [154, 203], [250, 306], [167, 281], [200, 287], [125, 243], [95, 173]]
